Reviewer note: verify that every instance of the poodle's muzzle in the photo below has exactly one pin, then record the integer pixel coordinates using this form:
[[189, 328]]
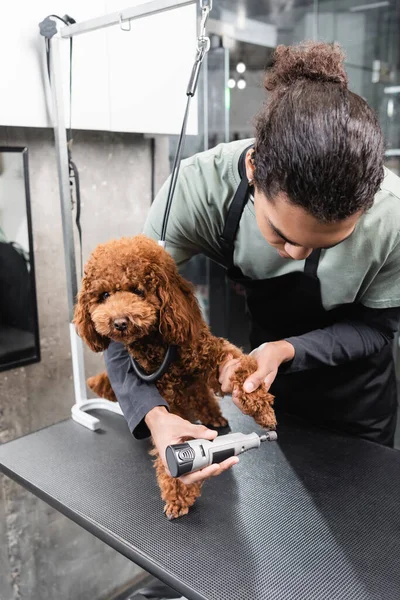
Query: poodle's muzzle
[[124, 317]]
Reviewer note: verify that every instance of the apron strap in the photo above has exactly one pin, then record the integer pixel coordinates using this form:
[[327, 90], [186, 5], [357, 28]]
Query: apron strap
[[227, 239], [311, 264]]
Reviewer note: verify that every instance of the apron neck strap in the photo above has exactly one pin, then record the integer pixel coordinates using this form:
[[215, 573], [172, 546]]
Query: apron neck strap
[[311, 264], [227, 239]]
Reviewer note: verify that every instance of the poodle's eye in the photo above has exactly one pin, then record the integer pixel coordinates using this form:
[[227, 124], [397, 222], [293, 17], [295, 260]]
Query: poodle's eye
[[138, 292], [104, 296]]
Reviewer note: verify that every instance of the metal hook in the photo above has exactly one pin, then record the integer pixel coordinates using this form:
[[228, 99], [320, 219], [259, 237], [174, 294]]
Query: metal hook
[[203, 22], [121, 26]]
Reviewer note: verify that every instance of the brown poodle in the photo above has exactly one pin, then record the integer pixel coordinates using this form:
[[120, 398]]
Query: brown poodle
[[132, 293]]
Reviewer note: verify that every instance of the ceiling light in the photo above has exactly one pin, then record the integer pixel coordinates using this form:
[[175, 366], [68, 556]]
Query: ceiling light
[[241, 83], [240, 67], [231, 83]]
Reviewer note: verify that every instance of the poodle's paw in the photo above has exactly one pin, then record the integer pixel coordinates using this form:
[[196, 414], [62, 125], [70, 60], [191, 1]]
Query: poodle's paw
[[180, 497], [100, 385], [222, 429], [217, 423], [266, 419], [258, 404], [174, 510], [93, 383]]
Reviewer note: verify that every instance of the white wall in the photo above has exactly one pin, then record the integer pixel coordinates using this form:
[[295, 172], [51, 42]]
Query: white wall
[[122, 81]]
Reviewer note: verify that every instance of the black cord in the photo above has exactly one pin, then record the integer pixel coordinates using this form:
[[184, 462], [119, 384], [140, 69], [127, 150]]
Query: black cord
[[75, 174], [175, 171], [153, 168]]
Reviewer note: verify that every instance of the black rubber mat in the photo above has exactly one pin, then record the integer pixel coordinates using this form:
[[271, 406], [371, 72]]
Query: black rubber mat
[[313, 516]]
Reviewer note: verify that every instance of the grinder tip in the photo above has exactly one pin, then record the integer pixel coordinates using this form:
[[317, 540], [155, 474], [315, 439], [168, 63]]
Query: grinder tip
[[269, 436]]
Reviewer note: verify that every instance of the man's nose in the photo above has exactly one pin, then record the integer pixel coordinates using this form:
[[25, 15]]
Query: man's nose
[[121, 324], [297, 252]]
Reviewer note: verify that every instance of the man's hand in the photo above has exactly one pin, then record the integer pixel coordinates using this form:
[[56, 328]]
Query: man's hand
[[269, 357], [167, 429]]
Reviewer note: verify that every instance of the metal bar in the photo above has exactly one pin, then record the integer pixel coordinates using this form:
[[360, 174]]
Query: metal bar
[[205, 102], [78, 366], [315, 23], [226, 106], [60, 135], [254, 32], [127, 14]]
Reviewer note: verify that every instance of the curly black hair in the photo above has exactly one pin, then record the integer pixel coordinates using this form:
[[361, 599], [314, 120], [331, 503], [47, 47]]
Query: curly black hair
[[317, 141]]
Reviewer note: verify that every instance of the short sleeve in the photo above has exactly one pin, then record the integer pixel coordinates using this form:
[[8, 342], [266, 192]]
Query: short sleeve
[[384, 290], [181, 229]]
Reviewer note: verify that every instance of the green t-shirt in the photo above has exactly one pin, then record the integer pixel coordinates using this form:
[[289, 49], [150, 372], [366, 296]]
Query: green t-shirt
[[364, 268]]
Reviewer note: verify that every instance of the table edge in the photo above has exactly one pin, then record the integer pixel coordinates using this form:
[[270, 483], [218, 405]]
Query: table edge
[[102, 534]]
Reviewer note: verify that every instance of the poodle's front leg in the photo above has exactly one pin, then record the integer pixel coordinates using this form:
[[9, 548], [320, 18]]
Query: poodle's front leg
[[205, 407], [221, 352], [177, 496], [257, 404]]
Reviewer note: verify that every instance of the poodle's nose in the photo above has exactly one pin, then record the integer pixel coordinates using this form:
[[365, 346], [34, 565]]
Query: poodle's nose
[[121, 324]]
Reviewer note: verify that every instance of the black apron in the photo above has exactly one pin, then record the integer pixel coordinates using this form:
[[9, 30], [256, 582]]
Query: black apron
[[359, 397]]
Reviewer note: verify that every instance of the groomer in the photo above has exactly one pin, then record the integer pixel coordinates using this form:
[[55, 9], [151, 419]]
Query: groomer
[[306, 218]]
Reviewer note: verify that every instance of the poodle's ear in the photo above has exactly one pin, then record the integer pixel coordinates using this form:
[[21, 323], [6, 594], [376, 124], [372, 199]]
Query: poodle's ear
[[84, 324], [180, 315]]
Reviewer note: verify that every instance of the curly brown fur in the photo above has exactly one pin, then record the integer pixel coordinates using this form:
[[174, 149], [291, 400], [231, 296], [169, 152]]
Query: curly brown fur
[[177, 496], [132, 293], [259, 403], [100, 385]]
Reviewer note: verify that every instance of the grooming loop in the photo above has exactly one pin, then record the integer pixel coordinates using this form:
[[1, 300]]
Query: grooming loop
[[203, 42]]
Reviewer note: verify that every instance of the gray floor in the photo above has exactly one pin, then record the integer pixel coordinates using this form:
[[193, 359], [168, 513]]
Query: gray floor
[[397, 362], [397, 438]]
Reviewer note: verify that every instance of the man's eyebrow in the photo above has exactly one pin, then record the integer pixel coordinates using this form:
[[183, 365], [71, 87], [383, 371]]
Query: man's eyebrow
[[278, 232]]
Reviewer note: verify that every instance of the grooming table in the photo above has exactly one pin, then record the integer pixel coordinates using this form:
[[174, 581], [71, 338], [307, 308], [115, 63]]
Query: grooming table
[[314, 516]]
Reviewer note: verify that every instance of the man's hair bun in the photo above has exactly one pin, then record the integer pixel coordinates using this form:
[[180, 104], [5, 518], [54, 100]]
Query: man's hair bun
[[315, 61]]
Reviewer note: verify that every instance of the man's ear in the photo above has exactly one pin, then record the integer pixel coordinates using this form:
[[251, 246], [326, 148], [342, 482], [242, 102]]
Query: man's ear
[[84, 324], [249, 164]]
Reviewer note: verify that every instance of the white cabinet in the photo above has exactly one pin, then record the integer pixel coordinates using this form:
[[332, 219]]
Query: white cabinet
[[149, 72], [122, 81]]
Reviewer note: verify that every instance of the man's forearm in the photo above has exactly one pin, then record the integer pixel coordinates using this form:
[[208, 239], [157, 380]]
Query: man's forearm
[[135, 397], [154, 416], [344, 341]]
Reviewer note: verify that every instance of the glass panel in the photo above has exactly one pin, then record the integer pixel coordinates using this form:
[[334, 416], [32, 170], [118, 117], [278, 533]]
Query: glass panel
[[368, 32], [19, 338]]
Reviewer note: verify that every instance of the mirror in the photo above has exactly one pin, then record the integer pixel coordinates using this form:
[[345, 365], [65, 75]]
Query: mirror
[[19, 331]]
